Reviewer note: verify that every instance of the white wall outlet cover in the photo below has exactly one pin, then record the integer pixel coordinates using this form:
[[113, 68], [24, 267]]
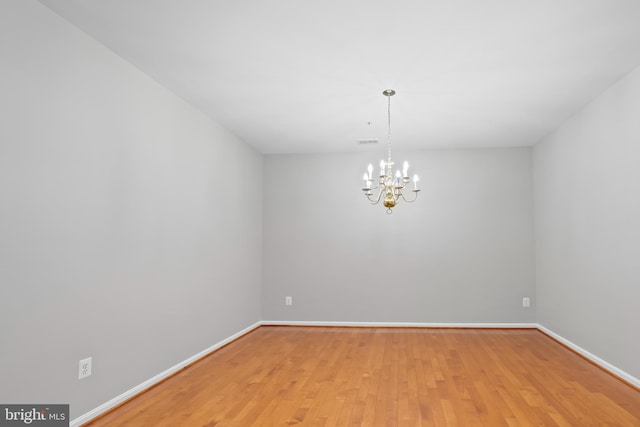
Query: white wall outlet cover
[[84, 368]]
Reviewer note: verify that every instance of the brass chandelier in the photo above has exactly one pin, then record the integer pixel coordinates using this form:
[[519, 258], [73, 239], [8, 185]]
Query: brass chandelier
[[389, 188]]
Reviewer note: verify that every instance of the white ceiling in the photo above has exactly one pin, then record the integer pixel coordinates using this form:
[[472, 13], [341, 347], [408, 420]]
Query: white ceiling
[[295, 76]]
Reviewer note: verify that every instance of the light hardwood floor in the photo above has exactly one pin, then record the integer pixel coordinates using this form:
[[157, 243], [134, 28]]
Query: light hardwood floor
[[317, 376]]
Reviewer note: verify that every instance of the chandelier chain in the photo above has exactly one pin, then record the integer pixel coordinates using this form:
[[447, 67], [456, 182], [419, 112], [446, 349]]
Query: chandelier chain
[[389, 129]]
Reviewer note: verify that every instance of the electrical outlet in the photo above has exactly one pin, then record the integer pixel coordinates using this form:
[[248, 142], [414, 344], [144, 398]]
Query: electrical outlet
[[526, 302], [288, 301], [84, 368]]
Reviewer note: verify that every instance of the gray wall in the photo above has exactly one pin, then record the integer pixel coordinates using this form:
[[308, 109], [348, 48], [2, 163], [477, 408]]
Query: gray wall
[[118, 239], [462, 253], [587, 222]]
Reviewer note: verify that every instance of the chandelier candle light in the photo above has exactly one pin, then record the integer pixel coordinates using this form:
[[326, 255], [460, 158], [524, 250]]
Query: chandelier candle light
[[389, 188]]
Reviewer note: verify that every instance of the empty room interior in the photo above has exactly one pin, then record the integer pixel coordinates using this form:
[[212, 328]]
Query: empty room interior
[[191, 233]]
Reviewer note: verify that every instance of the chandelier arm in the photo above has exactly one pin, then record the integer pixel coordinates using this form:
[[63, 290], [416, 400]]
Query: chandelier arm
[[376, 200], [412, 200]]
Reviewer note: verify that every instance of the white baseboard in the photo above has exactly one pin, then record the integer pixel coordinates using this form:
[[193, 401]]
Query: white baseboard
[[152, 381], [401, 324], [615, 371]]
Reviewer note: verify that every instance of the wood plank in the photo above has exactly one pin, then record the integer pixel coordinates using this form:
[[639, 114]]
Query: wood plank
[[317, 376]]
